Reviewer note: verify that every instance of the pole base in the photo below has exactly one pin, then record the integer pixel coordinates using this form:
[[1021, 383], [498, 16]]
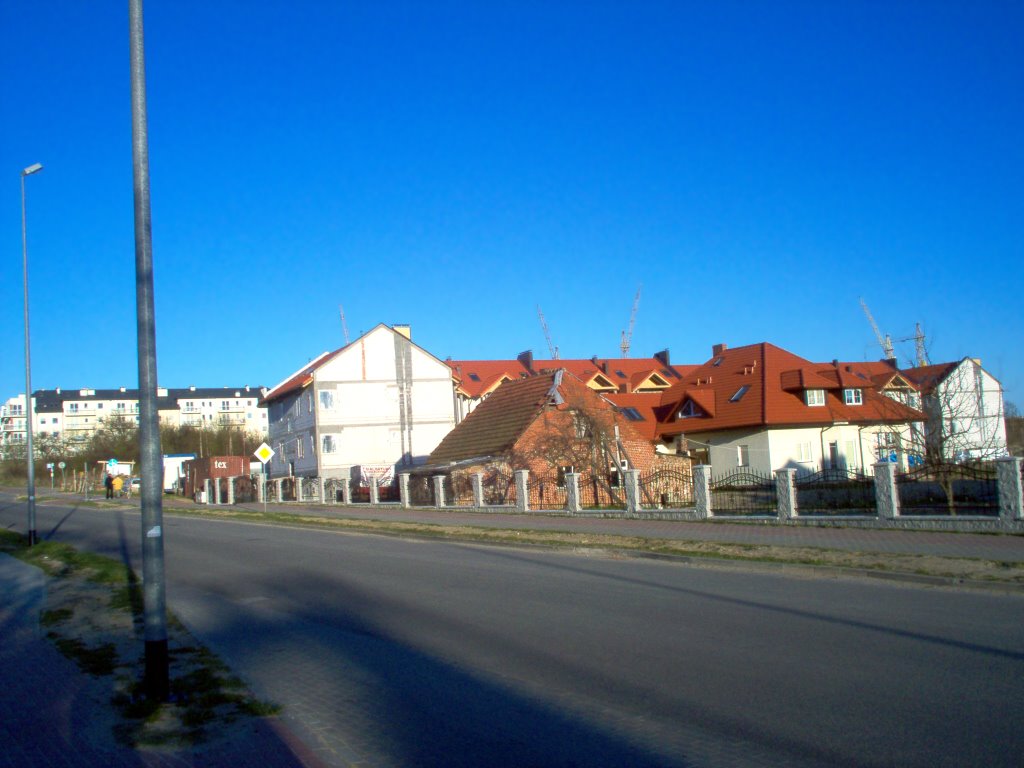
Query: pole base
[[33, 538], [156, 682]]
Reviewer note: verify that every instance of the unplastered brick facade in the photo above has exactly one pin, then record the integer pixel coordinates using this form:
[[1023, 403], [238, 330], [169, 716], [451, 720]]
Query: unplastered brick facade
[[548, 424]]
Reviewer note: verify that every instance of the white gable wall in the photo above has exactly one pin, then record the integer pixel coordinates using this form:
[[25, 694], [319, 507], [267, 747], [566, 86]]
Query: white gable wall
[[381, 400]]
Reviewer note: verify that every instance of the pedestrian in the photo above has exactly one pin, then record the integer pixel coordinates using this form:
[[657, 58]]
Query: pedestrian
[[108, 481]]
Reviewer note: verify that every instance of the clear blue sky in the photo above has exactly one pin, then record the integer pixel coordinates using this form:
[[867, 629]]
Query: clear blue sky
[[758, 167]]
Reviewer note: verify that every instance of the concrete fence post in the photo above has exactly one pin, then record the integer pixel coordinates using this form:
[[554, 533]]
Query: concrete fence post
[[346, 490], [323, 489], [279, 490], [477, 478], [785, 493], [887, 499], [522, 477], [438, 481], [632, 478], [702, 490], [374, 490], [298, 489], [1011, 503], [216, 490], [403, 490], [206, 490], [231, 490], [572, 493]]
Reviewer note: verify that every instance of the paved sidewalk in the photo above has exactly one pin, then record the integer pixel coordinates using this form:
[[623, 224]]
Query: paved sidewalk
[[54, 715], [944, 544]]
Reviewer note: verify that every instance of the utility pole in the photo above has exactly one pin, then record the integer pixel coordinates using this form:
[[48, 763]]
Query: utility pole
[[157, 679]]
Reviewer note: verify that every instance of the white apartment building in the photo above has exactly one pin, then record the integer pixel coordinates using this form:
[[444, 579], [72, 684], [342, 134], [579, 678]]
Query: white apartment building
[[72, 416]]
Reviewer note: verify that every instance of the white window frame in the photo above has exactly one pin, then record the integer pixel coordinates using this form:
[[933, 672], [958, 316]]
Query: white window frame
[[326, 400], [853, 396], [814, 397], [328, 444], [806, 452], [742, 455], [689, 410]]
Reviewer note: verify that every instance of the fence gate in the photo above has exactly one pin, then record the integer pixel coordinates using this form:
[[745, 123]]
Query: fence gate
[[949, 489], [835, 492], [667, 488], [744, 493], [544, 492], [499, 487]]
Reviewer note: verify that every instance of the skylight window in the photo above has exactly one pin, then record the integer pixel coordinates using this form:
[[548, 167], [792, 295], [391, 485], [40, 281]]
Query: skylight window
[[739, 394], [718, 362], [632, 414], [620, 374], [474, 377]]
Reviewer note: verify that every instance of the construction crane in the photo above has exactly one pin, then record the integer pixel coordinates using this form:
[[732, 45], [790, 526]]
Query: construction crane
[[344, 325], [919, 346], [627, 336], [885, 342], [552, 349]]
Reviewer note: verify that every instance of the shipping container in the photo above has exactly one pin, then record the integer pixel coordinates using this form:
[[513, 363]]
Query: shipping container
[[198, 471]]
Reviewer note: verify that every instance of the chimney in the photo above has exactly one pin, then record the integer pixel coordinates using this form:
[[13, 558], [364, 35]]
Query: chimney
[[662, 357], [403, 328], [526, 358], [718, 349]]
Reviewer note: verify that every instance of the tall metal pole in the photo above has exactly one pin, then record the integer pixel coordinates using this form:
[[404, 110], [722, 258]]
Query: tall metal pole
[[153, 586], [29, 454]]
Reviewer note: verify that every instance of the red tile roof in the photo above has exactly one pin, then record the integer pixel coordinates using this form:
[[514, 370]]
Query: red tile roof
[[763, 385], [476, 377]]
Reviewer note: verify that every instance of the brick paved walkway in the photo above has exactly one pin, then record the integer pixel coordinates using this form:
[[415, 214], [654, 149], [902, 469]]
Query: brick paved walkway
[[53, 715]]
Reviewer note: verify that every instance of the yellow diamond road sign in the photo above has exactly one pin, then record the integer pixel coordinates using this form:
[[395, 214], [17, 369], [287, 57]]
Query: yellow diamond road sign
[[264, 453]]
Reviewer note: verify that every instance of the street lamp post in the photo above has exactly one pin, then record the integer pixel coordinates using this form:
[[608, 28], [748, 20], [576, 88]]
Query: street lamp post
[[28, 367]]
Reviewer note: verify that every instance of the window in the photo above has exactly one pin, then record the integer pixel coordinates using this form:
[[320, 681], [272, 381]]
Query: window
[[120, 407], [853, 396], [689, 410], [620, 374], [225, 405], [806, 453], [299, 445], [739, 394], [474, 377], [632, 414], [718, 362], [814, 396], [54, 420], [99, 406], [326, 399], [327, 444], [742, 455], [73, 407], [16, 410]]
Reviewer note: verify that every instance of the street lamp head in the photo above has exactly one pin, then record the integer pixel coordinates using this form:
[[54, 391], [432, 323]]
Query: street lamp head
[[32, 169]]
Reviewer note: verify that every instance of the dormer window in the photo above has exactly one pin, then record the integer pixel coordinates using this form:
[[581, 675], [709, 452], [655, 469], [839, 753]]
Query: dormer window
[[853, 396], [814, 396], [689, 410]]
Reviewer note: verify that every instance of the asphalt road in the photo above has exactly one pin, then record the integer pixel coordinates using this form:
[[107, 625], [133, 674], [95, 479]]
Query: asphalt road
[[392, 652]]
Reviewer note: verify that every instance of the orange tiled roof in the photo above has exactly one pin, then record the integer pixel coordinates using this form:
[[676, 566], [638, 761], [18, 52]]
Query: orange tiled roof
[[609, 374], [763, 385]]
